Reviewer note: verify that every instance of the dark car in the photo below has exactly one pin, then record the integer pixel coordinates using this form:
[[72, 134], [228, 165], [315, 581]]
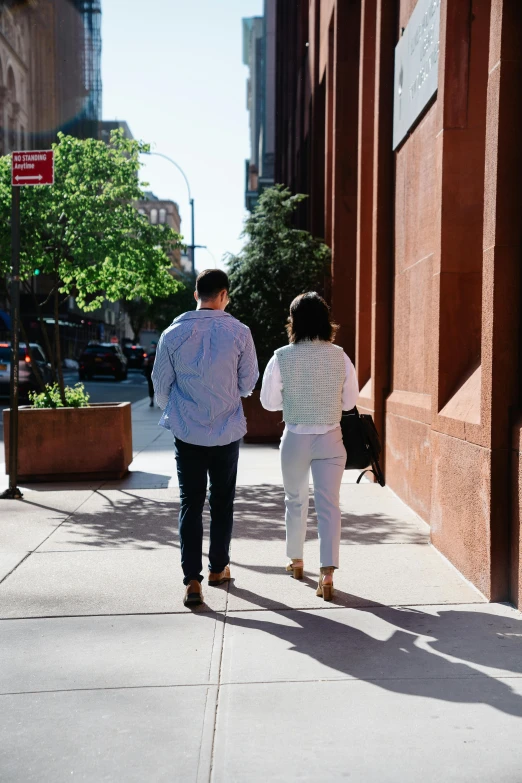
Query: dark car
[[135, 354], [103, 359], [27, 376]]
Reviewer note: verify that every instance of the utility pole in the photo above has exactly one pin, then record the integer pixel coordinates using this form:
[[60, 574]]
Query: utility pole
[[193, 253], [192, 247]]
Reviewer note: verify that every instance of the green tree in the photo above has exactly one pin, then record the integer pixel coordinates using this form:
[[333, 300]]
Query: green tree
[[85, 233], [164, 310], [161, 311], [277, 263]]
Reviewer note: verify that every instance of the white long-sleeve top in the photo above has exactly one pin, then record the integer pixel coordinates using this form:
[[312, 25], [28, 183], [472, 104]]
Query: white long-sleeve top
[[272, 395]]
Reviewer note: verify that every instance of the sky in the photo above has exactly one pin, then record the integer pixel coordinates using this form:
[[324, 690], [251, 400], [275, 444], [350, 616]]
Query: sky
[[173, 70]]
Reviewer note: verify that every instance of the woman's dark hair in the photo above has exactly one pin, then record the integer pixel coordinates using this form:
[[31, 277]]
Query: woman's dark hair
[[210, 283], [310, 319]]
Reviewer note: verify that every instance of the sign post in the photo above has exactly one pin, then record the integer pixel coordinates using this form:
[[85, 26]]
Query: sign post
[[27, 168]]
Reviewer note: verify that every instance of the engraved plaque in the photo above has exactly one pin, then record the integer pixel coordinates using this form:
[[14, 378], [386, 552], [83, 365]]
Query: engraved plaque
[[416, 67]]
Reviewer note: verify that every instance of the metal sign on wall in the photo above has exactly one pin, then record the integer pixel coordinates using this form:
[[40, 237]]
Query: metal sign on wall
[[416, 67]]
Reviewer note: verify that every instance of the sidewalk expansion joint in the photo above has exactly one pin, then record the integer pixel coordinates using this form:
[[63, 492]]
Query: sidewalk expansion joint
[[210, 685], [219, 679], [67, 518], [16, 566], [111, 688], [277, 609]]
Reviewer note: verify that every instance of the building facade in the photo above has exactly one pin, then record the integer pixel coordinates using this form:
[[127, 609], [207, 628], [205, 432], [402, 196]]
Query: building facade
[[15, 99], [50, 72], [259, 57], [165, 213], [426, 235]]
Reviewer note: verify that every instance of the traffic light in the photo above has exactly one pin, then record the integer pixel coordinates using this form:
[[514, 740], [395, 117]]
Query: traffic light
[[36, 271]]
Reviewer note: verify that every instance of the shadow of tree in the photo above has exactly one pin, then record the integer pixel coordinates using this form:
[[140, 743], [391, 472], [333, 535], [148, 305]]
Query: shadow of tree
[[131, 517], [425, 653]]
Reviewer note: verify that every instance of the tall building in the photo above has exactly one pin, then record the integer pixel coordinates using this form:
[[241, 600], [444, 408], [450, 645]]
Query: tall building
[[15, 87], [401, 120], [259, 57], [50, 71]]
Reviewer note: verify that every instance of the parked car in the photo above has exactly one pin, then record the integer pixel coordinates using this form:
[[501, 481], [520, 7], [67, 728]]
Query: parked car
[[27, 377], [103, 359], [135, 354]]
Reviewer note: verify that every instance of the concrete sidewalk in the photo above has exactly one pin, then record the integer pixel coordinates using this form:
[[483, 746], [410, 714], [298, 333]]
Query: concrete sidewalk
[[104, 675]]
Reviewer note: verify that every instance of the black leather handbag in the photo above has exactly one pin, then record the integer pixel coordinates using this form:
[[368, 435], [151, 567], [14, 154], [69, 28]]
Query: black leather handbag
[[362, 443]]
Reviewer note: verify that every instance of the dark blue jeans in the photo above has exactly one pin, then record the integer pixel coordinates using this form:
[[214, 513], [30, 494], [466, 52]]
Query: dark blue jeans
[[194, 463]]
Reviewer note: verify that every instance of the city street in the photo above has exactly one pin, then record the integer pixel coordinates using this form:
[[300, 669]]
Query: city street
[[303, 218], [102, 389], [409, 674]]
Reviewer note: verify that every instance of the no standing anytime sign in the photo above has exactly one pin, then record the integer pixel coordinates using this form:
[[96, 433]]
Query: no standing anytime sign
[[33, 168]]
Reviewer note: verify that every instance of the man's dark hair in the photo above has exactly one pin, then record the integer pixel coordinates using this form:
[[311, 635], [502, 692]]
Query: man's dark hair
[[211, 282], [310, 319]]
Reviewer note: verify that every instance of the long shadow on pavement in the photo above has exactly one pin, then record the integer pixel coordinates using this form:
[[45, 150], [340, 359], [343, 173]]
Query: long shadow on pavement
[[398, 663]]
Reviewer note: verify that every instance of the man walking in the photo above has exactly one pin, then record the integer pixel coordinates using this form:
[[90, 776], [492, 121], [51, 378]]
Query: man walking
[[205, 362]]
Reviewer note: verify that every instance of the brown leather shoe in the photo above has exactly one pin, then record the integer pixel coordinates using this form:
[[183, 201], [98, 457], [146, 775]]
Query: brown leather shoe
[[218, 578], [193, 594]]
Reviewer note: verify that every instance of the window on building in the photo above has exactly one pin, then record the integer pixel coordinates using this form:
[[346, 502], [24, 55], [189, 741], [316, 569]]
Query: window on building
[[22, 137], [142, 211], [163, 216], [154, 216]]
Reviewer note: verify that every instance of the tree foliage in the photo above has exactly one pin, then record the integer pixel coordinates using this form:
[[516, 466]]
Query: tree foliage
[[84, 231], [277, 263], [161, 311]]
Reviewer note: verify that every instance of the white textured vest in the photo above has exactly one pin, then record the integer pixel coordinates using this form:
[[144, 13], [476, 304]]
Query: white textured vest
[[313, 374]]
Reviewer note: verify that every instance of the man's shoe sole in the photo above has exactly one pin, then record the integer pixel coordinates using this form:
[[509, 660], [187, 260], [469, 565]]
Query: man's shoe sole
[[193, 599]]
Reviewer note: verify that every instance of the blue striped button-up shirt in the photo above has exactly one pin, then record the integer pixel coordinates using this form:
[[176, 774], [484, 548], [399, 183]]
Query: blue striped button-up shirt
[[205, 362]]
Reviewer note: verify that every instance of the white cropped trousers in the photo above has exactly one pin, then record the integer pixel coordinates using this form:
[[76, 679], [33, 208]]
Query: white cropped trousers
[[326, 456]]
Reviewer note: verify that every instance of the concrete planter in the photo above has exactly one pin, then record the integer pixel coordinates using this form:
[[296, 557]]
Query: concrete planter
[[262, 426], [72, 444]]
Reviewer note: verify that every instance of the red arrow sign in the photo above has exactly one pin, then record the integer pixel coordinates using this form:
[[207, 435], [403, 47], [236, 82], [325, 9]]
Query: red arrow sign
[[33, 167]]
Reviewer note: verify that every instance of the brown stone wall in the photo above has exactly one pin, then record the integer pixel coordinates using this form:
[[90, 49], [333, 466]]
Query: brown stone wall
[[431, 306]]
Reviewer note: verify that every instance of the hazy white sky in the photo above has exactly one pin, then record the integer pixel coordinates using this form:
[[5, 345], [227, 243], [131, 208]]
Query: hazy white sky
[[172, 69]]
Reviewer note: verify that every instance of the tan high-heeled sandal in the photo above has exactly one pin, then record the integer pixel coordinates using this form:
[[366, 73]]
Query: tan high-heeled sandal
[[296, 568], [325, 588]]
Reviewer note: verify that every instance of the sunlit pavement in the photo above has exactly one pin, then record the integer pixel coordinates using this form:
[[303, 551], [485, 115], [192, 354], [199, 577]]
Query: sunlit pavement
[[407, 675]]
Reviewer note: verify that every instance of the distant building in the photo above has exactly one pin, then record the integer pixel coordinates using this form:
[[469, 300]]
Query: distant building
[[107, 126], [260, 56], [165, 213]]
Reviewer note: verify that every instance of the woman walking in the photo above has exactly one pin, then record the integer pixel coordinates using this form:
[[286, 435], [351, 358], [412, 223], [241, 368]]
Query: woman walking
[[312, 381]]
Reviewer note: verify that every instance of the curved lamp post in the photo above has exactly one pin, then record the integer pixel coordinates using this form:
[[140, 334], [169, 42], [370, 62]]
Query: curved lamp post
[[193, 245]]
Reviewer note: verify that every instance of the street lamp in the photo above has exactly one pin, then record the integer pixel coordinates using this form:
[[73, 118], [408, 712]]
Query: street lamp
[[193, 245]]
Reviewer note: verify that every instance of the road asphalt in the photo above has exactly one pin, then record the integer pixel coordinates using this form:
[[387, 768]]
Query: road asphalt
[[408, 675]]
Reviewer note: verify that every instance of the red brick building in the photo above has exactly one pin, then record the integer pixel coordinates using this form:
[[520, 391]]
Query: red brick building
[[426, 248]]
